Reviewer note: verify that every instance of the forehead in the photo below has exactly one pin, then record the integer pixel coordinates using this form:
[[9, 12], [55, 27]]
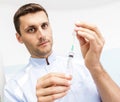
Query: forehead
[[33, 18]]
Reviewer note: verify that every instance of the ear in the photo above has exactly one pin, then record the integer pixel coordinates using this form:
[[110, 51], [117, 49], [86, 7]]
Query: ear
[[19, 38]]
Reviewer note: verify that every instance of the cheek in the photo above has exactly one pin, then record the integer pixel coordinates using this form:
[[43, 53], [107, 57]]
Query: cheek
[[48, 36], [30, 45], [29, 42], [51, 38]]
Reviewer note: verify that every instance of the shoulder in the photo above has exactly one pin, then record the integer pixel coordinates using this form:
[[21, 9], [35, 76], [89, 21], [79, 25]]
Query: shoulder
[[12, 89], [16, 76]]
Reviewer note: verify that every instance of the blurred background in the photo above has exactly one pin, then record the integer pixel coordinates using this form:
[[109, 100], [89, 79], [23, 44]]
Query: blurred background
[[63, 14]]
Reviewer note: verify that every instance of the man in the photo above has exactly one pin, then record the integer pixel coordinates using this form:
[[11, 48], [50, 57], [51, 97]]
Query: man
[[45, 78]]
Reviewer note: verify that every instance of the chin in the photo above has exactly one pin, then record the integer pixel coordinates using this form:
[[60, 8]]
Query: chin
[[46, 53]]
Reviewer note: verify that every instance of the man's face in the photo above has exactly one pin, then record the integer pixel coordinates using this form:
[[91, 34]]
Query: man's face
[[36, 34]]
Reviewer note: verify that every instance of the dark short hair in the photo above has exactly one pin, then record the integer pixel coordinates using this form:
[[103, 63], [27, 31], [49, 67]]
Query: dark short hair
[[26, 9]]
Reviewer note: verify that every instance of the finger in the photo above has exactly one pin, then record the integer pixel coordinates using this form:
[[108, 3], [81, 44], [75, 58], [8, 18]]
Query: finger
[[51, 81], [60, 75], [51, 98], [89, 26], [91, 33], [100, 40], [81, 40], [89, 37], [95, 42], [52, 90]]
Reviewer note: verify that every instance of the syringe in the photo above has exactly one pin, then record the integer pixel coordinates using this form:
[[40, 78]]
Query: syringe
[[70, 64], [70, 56]]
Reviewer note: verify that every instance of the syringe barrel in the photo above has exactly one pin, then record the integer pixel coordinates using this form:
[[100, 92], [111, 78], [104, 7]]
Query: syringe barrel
[[70, 62], [71, 54]]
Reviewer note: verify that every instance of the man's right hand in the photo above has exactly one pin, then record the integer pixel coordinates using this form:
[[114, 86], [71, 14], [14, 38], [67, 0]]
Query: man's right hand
[[52, 86]]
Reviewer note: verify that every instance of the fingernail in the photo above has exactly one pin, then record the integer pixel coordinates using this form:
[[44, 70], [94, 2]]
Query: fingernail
[[69, 82], [77, 22], [67, 75]]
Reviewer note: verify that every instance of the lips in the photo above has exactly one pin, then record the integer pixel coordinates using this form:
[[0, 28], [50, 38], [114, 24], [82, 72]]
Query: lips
[[43, 43]]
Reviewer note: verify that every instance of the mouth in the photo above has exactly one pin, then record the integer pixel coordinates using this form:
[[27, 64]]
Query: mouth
[[43, 43]]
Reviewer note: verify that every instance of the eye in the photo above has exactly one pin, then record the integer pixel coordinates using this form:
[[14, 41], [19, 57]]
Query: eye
[[44, 26], [31, 30]]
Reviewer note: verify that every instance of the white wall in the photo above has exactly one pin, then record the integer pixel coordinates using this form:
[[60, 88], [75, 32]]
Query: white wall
[[106, 17], [2, 80]]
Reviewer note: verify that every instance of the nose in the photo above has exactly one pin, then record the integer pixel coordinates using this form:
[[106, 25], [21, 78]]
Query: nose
[[40, 33]]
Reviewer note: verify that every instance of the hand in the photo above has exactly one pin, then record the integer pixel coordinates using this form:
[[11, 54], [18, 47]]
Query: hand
[[52, 86], [91, 43]]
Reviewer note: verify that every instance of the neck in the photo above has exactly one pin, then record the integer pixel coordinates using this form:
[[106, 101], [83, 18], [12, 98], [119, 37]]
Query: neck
[[42, 56]]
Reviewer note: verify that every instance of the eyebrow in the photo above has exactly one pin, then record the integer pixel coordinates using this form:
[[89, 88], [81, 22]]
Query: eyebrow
[[31, 26]]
